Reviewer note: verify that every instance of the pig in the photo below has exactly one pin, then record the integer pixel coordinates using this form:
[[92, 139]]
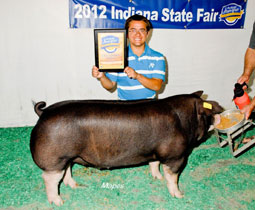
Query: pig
[[108, 134]]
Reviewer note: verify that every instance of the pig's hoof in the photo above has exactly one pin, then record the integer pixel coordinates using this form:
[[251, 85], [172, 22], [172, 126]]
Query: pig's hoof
[[177, 194], [56, 200], [71, 183], [157, 176]]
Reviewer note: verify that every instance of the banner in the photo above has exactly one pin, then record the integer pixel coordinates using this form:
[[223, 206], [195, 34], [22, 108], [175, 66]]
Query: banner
[[174, 14]]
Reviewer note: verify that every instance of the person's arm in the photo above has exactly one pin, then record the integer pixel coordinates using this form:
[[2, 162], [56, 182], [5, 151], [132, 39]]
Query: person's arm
[[153, 83], [150, 83], [105, 81], [249, 66], [248, 109]]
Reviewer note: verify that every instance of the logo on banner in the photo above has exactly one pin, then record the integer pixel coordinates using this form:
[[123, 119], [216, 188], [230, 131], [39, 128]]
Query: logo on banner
[[110, 43], [231, 13]]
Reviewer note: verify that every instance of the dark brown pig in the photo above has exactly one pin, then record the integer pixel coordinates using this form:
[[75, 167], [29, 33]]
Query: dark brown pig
[[110, 134]]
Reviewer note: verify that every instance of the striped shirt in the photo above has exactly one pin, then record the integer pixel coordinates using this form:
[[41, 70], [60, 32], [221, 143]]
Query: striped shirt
[[150, 64]]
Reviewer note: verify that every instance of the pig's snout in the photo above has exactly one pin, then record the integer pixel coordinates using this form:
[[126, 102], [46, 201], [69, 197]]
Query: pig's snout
[[216, 122]]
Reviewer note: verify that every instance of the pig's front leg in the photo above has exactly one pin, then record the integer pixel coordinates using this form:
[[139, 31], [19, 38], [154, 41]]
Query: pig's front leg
[[172, 182], [154, 168], [68, 180], [51, 180]]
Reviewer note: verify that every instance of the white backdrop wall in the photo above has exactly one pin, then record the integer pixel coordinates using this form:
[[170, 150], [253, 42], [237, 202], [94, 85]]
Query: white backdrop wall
[[41, 58]]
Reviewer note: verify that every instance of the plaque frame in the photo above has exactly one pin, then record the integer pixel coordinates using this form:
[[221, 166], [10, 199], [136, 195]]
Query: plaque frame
[[105, 51]]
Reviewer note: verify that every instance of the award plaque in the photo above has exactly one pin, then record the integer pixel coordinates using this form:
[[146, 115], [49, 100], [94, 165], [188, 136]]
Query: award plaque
[[110, 49]]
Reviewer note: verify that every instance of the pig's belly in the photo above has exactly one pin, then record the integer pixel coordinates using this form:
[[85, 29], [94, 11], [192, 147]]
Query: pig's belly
[[114, 161]]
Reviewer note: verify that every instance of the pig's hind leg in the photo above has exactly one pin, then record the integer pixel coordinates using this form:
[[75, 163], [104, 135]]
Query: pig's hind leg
[[51, 180], [68, 180]]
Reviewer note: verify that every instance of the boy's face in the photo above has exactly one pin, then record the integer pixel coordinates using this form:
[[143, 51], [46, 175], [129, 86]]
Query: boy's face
[[137, 33]]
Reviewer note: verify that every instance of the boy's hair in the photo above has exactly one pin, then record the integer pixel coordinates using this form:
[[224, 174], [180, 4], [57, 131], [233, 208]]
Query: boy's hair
[[138, 18]]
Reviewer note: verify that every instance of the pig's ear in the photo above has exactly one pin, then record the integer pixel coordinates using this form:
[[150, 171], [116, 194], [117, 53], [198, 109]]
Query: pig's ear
[[216, 108], [209, 108], [198, 93]]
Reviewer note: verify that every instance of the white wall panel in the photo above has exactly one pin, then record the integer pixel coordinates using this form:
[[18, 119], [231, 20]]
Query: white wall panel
[[42, 59]]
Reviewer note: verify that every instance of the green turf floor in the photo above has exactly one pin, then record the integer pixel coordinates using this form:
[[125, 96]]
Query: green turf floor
[[212, 179]]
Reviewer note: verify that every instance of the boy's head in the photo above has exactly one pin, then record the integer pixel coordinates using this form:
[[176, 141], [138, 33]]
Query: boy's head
[[137, 17]]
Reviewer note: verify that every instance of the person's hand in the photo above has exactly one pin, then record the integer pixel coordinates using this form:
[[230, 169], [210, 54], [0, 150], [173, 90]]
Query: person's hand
[[131, 73], [242, 79], [247, 110], [96, 73]]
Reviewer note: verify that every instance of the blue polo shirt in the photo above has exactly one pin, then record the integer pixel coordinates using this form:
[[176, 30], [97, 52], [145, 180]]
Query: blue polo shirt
[[150, 64]]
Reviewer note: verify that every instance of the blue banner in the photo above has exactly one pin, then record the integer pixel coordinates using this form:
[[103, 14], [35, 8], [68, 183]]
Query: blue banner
[[175, 14]]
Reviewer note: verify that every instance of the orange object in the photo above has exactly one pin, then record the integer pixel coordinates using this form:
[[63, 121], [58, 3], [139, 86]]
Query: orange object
[[241, 98]]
